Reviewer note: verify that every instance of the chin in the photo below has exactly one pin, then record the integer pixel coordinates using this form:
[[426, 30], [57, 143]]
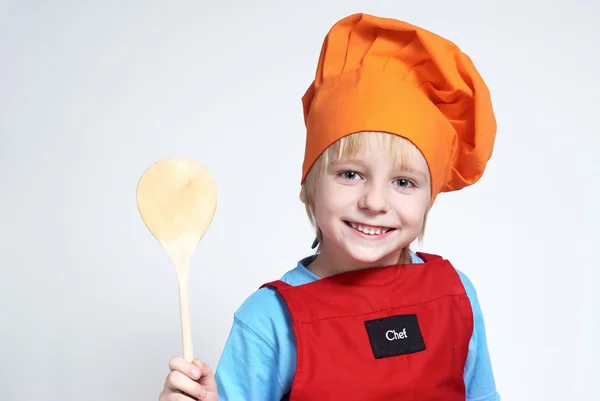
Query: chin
[[369, 257]]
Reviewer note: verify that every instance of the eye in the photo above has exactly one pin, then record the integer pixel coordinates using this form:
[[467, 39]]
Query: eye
[[404, 183], [349, 175]]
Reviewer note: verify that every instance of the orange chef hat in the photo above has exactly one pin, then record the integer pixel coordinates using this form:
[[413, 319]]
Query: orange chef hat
[[380, 74]]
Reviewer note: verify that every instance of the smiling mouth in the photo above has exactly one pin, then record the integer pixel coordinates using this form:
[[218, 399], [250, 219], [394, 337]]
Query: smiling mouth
[[369, 230]]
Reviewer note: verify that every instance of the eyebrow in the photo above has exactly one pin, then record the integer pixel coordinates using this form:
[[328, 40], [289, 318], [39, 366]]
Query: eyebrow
[[347, 161], [413, 170]]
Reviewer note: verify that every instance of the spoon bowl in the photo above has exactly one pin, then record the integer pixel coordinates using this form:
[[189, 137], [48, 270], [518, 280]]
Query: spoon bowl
[[177, 200]]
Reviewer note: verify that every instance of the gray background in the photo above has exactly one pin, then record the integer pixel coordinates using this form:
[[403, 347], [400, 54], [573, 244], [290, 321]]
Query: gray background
[[93, 92]]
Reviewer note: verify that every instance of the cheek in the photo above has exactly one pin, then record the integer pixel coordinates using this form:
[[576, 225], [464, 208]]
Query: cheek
[[332, 199], [413, 212]]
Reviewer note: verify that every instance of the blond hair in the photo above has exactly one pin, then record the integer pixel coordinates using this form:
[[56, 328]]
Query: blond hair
[[347, 147]]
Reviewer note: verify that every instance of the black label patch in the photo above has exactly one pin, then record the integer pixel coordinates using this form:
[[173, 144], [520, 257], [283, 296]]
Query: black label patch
[[395, 335]]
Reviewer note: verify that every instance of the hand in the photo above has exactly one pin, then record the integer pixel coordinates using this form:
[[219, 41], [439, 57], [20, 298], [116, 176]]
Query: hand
[[189, 381]]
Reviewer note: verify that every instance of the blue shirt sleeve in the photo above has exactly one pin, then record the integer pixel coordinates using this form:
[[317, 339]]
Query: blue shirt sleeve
[[479, 377], [259, 358], [247, 369]]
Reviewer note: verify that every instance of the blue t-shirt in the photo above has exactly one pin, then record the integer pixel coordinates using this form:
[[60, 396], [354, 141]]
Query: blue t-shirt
[[259, 359]]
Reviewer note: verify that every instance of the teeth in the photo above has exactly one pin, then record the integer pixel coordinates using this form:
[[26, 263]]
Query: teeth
[[369, 230]]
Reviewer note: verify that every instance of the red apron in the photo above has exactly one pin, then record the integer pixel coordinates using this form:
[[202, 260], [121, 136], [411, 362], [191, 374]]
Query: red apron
[[391, 333]]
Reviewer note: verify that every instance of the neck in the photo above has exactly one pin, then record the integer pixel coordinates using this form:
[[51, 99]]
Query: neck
[[328, 263]]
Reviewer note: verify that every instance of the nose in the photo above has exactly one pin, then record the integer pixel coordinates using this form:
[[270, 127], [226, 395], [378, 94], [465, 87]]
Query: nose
[[375, 198]]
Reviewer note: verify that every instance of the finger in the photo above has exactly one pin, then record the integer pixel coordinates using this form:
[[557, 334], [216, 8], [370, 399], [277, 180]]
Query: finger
[[207, 379], [179, 364], [176, 397], [182, 397], [203, 367], [179, 382]]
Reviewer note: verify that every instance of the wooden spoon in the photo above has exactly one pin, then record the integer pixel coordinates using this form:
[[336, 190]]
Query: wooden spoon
[[177, 200]]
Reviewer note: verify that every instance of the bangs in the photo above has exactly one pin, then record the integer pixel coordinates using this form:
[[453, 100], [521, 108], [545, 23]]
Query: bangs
[[403, 152]]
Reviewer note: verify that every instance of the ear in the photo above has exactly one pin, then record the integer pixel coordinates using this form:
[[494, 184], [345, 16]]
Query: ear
[[302, 197]]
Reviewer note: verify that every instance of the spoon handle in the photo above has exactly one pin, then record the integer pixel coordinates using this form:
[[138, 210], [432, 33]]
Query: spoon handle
[[186, 329]]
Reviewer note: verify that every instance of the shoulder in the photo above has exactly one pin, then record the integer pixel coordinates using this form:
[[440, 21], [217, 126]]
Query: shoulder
[[471, 293], [464, 278], [467, 283], [265, 300], [265, 313]]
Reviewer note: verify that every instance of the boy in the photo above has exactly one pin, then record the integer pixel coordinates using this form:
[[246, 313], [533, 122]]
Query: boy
[[395, 116]]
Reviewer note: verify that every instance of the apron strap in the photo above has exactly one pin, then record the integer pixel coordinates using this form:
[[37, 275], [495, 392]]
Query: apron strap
[[428, 257], [277, 284]]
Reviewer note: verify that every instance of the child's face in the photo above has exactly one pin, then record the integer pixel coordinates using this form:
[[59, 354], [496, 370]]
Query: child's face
[[370, 207]]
